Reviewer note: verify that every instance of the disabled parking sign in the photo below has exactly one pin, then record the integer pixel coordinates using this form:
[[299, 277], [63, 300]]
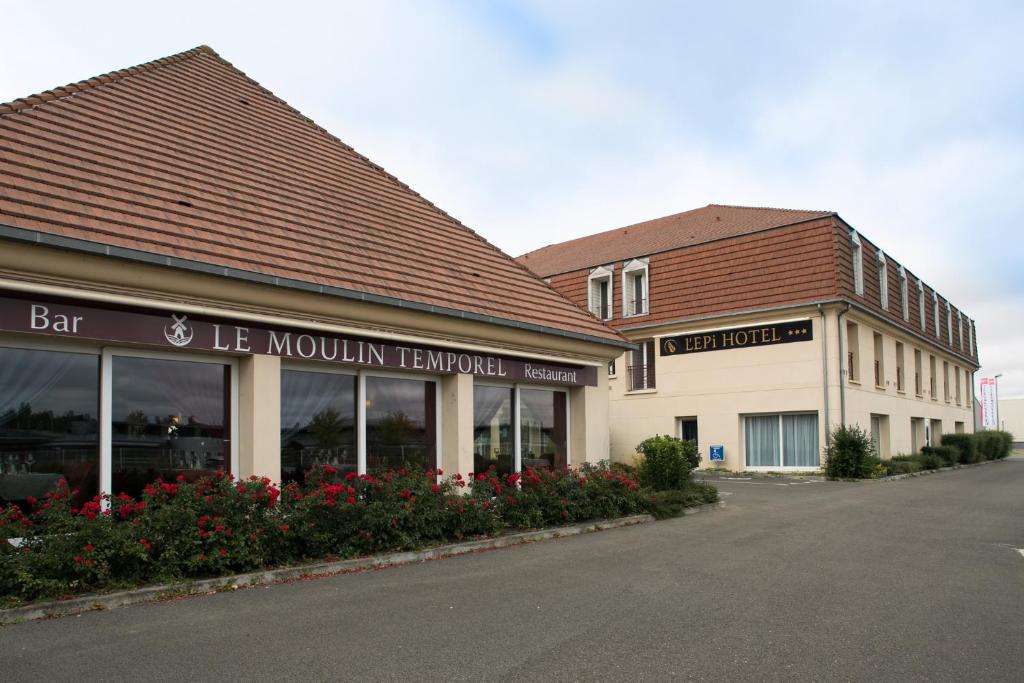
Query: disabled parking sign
[[717, 453]]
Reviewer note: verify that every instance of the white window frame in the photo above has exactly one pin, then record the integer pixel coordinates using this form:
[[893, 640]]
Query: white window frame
[[970, 336], [904, 293], [646, 389], [597, 276], [633, 267], [858, 263], [920, 304], [949, 323], [517, 431], [107, 401], [935, 312], [960, 329], [780, 467], [883, 281]]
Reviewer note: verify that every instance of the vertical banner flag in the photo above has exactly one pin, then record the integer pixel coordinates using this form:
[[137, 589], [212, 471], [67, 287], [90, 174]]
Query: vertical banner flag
[[988, 403]]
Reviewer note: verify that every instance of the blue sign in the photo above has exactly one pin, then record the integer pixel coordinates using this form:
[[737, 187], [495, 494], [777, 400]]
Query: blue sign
[[718, 453]]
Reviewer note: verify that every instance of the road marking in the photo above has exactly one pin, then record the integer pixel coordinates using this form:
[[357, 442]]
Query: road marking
[[1021, 551]]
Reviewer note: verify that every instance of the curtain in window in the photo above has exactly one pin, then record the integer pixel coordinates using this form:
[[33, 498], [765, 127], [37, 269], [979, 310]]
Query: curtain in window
[[762, 440], [800, 440]]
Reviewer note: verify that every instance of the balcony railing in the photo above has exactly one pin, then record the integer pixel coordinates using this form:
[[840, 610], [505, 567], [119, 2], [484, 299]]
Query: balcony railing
[[899, 378], [636, 307], [878, 373], [917, 383], [640, 377], [601, 310], [850, 365]]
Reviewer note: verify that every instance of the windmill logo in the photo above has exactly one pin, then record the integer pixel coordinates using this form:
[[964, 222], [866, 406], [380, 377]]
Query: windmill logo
[[179, 333]]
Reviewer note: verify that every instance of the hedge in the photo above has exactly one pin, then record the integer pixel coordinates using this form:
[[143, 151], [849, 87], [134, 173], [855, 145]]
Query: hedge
[[956, 449], [214, 526]]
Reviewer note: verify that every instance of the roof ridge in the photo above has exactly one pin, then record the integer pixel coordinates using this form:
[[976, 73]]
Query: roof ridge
[[72, 89], [770, 208]]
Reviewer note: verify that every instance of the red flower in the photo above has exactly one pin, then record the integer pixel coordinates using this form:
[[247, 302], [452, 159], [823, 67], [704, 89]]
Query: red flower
[[329, 470], [88, 548], [223, 552], [31, 500], [435, 488], [145, 544], [440, 472], [351, 500], [284, 527], [78, 560]]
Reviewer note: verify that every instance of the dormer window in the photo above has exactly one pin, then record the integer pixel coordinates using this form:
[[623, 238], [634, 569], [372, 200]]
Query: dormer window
[[920, 304], [949, 324], [960, 329], [600, 287], [635, 288], [904, 294], [935, 313], [858, 264], [883, 281], [970, 336]]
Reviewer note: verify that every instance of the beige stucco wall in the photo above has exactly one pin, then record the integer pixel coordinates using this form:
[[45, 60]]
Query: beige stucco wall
[[719, 387], [1011, 417]]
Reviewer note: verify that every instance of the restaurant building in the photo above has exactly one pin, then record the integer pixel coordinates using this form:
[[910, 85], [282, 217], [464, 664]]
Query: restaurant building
[[760, 329], [194, 276]]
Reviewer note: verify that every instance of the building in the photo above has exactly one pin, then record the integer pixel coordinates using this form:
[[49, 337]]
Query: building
[[1011, 419], [758, 329], [194, 276]]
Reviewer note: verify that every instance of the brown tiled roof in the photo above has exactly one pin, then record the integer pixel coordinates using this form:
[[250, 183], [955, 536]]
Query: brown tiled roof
[[709, 223], [188, 158]]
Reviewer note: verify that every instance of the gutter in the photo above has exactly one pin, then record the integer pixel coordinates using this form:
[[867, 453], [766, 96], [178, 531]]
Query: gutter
[[138, 256], [842, 358], [824, 371]]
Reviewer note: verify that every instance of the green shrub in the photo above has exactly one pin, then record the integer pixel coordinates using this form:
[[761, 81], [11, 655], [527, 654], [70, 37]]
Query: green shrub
[[966, 444], [902, 464], [993, 444], [666, 462], [665, 504], [947, 455], [930, 460], [850, 454]]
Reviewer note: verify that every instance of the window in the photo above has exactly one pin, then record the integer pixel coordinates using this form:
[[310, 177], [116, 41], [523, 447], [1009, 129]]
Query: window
[[958, 427], [970, 336], [935, 432], [168, 418], [611, 367], [493, 429], [774, 441], [918, 388], [945, 381], [852, 353], [641, 368], [883, 281], [49, 424], [904, 294], [949, 324], [401, 422], [918, 436], [880, 435], [935, 312], [879, 361], [543, 429], [634, 288], [600, 292], [956, 375], [858, 264], [318, 423], [687, 428], [900, 371], [960, 329], [920, 304], [931, 378]]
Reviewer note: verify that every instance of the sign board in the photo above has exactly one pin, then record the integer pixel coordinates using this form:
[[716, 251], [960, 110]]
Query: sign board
[[989, 409], [738, 338], [718, 454], [173, 329]]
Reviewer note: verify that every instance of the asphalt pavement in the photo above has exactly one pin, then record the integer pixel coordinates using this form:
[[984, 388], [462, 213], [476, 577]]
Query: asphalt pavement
[[909, 580]]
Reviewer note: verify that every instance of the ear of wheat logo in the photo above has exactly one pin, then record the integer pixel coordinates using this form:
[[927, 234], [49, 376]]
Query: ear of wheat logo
[[670, 345], [179, 333]]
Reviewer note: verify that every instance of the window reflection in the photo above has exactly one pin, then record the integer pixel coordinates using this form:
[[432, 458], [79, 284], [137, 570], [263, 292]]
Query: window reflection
[[493, 438], [168, 418], [318, 423], [542, 428], [49, 402], [401, 425]]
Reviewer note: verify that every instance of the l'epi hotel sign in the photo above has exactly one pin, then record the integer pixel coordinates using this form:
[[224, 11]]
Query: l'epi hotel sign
[[173, 329], [738, 338]]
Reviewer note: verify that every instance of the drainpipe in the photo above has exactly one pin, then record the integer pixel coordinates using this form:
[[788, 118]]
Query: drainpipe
[[824, 371], [842, 359]]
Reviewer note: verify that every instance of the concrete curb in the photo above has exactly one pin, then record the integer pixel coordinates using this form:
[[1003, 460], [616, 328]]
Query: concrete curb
[[103, 601], [908, 475]]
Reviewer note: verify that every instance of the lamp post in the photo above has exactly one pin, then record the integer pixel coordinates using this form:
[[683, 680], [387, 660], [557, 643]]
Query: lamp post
[[998, 426]]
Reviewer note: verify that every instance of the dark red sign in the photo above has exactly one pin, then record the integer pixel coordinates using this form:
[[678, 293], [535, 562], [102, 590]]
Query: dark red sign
[[66, 318]]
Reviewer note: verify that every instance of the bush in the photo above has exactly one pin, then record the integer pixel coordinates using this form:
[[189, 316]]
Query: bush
[[666, 462], [217, 525], [946, 455], [966, 444], [929, 460], [665, 504], [993, 444], [850, 454], [902, 464]]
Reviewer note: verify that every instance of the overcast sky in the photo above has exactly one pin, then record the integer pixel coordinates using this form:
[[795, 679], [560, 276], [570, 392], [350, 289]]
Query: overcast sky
[[537, 122]]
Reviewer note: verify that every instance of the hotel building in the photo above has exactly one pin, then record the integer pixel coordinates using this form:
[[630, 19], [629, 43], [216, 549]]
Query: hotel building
[[759, 329], [194, 276]]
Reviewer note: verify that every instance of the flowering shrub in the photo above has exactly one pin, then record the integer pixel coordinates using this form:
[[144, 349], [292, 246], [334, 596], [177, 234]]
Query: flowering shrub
[[217, 525]]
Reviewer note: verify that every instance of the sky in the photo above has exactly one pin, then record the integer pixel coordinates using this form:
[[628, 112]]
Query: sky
[[538, 122]]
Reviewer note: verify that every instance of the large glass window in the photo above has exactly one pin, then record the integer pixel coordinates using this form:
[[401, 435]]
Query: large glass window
[[318, 423], [49, 430], [401, 423], [493, 435], [168, 417], [781, 440], [542, 428]]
